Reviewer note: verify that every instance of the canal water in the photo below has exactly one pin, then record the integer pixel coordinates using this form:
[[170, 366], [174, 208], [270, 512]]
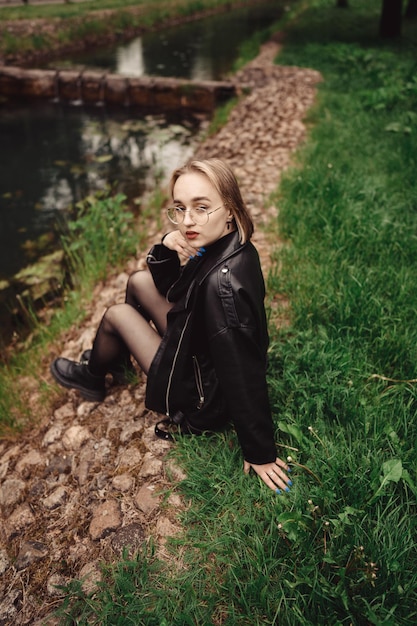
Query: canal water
[[204, 49], [52, 155]]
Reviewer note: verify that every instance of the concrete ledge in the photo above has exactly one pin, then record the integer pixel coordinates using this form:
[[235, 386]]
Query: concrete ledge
[[161, 94]]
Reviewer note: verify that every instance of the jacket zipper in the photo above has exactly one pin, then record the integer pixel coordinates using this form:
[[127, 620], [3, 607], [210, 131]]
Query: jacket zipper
[[198, 381], [174, 361], [183, 331]]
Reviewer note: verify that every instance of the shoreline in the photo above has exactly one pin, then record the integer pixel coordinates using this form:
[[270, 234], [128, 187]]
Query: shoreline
[[54, 30]]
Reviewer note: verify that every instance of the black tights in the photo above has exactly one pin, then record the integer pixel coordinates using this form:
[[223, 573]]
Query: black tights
[[125, 329]]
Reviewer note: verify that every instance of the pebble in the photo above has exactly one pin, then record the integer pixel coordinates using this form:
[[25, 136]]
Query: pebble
[[55, 499], [29, 553], [11, 492], [146, 500], [106, 517]]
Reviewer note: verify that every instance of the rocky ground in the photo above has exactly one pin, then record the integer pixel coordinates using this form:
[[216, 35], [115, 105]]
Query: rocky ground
[[88, 479]]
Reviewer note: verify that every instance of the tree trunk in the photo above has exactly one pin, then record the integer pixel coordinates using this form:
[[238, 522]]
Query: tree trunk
[[390, 22], [411, 10]]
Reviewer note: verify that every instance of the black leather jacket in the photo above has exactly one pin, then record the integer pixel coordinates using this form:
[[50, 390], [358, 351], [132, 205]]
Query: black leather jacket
[[211, 363]]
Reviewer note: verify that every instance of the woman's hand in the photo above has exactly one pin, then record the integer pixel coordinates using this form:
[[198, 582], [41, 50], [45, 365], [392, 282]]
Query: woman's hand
[[176, 241], [273, 474]]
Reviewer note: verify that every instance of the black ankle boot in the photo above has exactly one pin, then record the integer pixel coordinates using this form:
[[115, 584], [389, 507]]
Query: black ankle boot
[[122, 374], [75, 375]]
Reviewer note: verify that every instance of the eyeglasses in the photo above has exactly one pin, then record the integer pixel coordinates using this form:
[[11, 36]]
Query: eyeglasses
[[198, 214]]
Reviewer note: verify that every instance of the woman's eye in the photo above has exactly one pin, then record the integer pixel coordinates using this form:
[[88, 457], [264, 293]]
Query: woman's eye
[[201, 209]]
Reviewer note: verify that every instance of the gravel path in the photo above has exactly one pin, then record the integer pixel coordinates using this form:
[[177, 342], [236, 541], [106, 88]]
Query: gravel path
[[85, 482]]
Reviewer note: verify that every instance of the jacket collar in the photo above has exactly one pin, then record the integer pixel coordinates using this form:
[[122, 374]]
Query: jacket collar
[[215, 255], [218, 253], [198, 268]]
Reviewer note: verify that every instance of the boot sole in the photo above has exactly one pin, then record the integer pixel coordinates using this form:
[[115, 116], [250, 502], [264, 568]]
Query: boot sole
[[88, 394]]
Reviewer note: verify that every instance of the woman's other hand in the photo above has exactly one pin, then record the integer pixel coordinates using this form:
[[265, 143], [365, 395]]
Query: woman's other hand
[[177, 242], [273, 474]]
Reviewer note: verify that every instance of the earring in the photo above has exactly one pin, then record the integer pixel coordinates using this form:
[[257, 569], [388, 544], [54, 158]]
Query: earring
[[228, 225]]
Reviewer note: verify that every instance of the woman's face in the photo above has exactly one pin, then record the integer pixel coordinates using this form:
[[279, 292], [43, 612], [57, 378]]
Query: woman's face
[[194, 190]]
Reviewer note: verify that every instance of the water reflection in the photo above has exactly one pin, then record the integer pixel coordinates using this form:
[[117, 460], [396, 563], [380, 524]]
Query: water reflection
[[129, 59], [201, 50], [59, 154]]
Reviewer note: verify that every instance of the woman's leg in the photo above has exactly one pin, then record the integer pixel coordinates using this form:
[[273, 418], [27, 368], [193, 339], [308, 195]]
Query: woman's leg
[[142, 294], [123, 330]]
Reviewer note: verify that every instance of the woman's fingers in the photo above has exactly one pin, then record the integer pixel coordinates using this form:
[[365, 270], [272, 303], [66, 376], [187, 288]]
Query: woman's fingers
[[273, 474], [176, 241], [277, 480]]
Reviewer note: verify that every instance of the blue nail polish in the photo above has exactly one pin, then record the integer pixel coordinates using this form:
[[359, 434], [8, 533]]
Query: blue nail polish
[[289, 483], [199, 254], [202, 249], [287, 489], [191, 256], [289, 470], [278, 491]]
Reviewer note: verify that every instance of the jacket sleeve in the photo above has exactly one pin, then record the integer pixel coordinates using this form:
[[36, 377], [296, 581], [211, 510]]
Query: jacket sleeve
[[164, 265], [238, 341]]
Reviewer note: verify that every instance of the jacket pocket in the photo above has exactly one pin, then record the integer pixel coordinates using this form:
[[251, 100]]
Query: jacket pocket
[[199, 382]]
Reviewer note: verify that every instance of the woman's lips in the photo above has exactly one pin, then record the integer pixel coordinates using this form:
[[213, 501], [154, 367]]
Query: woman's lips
[[191, 234]]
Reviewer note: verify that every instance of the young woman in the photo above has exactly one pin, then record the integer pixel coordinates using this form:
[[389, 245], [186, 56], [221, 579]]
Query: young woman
[[205, 353]]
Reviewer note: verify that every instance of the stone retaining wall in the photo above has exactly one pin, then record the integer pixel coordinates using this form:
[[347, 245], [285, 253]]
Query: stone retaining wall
[[91, 87]]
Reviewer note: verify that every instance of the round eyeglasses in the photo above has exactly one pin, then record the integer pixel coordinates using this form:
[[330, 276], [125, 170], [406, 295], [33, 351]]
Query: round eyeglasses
[[198, 214]]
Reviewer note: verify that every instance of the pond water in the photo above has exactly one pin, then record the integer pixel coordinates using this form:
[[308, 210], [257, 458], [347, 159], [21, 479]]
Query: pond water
[[52, 155], [200, 50]]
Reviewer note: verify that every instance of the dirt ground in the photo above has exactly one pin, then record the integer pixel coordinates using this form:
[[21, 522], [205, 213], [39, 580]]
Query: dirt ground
[[87, 480]]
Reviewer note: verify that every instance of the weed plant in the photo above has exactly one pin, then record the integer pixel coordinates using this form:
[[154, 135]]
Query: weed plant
[[340, 548], [101, 236]]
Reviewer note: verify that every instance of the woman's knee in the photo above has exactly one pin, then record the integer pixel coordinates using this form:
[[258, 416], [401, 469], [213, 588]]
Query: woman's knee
[[138, 286], [114, 316]]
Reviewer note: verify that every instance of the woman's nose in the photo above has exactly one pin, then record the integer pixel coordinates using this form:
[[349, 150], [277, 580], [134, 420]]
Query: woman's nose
[[188, 217]]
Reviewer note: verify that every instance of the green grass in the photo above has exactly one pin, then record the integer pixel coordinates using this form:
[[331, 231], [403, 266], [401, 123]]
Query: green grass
[[101, 236], [340, 549]]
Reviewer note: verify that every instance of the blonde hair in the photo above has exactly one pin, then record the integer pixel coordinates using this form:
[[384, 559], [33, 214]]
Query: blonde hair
[[224, 181]]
